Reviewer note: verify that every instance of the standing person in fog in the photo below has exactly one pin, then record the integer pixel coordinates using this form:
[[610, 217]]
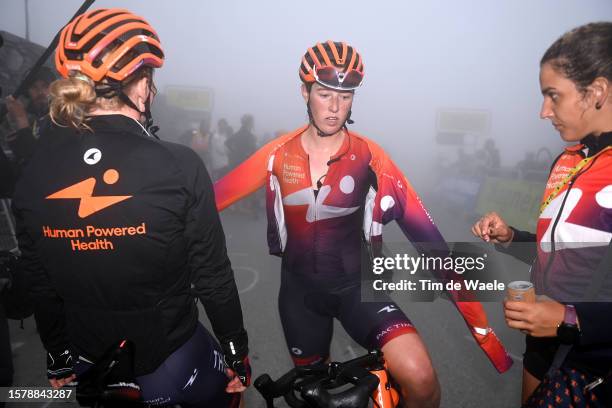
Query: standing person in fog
[[119, 231], [240, 146], [573, 231], [242, 143], [22, 129], [328, 192], [218, 149]]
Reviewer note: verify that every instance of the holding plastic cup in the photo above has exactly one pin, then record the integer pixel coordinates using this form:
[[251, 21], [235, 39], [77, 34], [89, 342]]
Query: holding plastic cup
[[521, 291]]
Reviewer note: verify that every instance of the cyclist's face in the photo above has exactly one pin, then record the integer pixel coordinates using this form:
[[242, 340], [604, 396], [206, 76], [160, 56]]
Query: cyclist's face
[[329, 107], [569, 109]]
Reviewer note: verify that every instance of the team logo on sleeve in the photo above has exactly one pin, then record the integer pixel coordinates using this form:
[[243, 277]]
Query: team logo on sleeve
[[83, 190]]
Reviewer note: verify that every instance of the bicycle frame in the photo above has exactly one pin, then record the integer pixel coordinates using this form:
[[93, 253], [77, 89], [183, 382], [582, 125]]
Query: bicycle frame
[[385, 396]]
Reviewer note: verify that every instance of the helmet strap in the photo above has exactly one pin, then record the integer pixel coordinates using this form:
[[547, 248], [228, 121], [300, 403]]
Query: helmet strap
[[148, 122], [115, 88], [153, 129]]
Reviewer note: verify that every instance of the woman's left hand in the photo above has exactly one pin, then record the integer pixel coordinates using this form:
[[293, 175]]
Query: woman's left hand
[[235, 385], [59, 383], [539, 319]]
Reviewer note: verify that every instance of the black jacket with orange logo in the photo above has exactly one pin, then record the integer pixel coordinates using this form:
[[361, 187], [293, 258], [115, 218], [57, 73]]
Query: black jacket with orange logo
[[118, 232]]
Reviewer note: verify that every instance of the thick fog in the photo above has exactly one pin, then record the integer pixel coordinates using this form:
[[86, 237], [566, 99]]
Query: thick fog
[[451, 92], [421, 58]]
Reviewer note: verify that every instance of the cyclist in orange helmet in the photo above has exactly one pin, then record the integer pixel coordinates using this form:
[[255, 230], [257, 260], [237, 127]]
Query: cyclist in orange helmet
[[329, 191], [119, 231]]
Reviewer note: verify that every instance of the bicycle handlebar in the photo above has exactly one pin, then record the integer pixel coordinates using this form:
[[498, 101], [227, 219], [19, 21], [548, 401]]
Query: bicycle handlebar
[[313, 383]]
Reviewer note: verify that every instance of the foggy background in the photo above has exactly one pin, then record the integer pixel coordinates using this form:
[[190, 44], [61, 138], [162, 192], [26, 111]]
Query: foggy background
[[442, 77], [419, 57]]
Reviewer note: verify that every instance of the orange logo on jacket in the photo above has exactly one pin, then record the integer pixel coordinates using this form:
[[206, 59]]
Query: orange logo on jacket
[[83, 190]]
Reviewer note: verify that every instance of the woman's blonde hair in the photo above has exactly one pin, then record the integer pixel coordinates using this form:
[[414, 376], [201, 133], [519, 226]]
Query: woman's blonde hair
[[72, 98]]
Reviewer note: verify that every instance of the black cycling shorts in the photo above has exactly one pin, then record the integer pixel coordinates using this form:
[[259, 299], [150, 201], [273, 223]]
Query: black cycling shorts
[[192, 376], [307, 310]]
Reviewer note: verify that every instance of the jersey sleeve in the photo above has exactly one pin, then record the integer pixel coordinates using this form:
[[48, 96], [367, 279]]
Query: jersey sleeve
[[396, 200], [249, 175], [594, 327], [523, 246], [211, 272]]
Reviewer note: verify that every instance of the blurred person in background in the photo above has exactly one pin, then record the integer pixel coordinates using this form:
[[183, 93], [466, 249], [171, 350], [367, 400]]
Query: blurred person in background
[[488, 157], [243, 143], [198, 139], [201, 144], [240, 146], [218, 149], [568, 357], [23, 126], [24, 120], [21, 132]]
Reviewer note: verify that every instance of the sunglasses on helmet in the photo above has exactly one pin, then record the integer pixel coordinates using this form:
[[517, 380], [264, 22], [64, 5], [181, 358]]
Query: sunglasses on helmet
[[342, 81]]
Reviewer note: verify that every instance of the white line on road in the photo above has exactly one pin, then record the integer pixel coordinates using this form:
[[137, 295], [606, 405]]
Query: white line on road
[[16, 345], [255, 277]]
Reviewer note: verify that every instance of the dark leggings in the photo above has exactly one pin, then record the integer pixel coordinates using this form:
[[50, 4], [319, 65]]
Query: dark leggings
[[193, 376]]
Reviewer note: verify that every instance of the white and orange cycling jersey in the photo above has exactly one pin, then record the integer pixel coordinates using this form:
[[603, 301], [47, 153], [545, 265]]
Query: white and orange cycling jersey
[[319, 233]]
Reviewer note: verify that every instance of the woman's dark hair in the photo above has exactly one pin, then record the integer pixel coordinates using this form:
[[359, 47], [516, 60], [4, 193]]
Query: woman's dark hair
[[583, 54]]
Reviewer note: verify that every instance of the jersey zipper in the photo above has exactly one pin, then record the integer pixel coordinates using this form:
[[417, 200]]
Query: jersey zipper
[[316, 216]]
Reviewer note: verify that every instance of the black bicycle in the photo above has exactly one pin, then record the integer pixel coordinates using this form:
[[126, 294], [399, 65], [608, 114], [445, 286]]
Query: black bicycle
[[349, 384]]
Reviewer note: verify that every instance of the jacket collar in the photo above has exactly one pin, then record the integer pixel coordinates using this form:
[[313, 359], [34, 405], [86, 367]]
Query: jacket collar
[[116, 124], [597, 144]]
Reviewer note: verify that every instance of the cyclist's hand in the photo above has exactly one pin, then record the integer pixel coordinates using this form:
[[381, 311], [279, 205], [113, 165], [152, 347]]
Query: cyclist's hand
[[492, 228], [240, 370], [537, 319], [55, 383], [236, 354], [59, 368], [235, 385]]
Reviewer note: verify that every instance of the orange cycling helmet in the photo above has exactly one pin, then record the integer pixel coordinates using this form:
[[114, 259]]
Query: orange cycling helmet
[[335, 65], [108, 43]]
